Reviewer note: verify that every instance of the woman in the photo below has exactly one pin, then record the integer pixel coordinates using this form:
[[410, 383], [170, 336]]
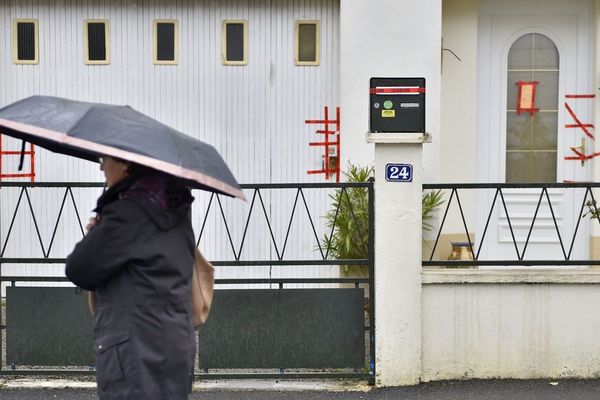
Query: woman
[[137, 258]]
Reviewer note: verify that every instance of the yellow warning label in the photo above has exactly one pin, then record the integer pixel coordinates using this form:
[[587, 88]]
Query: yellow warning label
[[388, 113]]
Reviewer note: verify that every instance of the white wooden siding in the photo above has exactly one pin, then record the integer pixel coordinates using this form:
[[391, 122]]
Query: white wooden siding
[[254, 115]]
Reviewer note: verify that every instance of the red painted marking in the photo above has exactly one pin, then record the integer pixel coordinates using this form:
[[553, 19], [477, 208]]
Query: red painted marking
[[322, 143], [327, 143], [531, 109], [32, 161], [578, 123], [580, 96], [581, 156], [320, 121], [388, 90], [578, 126], [30, 153], [17, 176], [16, 153]]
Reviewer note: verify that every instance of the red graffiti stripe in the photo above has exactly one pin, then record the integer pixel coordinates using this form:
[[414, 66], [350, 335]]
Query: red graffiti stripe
[[579, 126], [578, 123], [580, 156], [580, 96]]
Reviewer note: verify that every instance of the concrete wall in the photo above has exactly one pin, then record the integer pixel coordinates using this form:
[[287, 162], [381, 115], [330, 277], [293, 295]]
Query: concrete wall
[[504, 324]]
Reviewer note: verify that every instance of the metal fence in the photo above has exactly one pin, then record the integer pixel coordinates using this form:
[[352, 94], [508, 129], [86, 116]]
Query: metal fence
[[506, 219], [275, 241]]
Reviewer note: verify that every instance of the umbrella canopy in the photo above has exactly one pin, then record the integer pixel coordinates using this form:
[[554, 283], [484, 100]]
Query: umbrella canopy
[[89, 130]]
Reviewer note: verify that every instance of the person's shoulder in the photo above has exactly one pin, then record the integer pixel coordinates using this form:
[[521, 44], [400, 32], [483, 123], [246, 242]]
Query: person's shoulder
[[124, 208]]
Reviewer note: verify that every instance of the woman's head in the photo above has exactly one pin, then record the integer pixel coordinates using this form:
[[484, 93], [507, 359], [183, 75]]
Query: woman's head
[[114, 169]]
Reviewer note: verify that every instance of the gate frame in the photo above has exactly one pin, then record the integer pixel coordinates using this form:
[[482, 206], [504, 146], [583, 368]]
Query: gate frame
[[370, 261]]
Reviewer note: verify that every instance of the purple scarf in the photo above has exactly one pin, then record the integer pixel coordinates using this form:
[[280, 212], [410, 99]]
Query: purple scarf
[[161, 189]]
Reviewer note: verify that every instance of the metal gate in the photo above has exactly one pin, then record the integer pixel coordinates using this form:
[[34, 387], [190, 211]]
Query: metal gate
[[281, 308]]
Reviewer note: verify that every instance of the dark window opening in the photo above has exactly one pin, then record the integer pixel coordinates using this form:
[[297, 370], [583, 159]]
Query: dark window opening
[[234, 42], [96, 41], [165, 41], [307, 42], [26, 41]]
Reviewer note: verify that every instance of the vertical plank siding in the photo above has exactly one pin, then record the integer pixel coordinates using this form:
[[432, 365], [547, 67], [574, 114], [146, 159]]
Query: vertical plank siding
[[254, 114]]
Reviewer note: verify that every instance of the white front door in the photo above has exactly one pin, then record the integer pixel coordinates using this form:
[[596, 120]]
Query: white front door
[[544, 45]]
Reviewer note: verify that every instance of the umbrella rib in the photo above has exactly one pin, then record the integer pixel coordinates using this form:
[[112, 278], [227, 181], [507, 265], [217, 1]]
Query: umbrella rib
[[192, 160]]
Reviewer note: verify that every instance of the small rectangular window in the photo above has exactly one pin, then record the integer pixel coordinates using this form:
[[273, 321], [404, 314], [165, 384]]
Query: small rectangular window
[[166, 41], [235, 42], [25, 41], [96, 41], [307, 43]]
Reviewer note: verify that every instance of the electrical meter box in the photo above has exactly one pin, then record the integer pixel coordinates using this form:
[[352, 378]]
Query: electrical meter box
[[397, 105]]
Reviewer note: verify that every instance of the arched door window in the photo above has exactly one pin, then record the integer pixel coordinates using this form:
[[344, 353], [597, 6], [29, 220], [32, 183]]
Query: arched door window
[[531, 137]]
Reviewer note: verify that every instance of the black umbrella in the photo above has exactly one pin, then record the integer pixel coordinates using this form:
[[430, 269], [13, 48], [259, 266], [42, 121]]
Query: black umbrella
[[90, 130]]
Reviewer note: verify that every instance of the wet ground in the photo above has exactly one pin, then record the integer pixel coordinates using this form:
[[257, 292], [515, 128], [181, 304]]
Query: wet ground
[[266, 390]]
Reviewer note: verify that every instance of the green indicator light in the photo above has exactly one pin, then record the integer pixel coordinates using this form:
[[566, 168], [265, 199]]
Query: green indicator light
[[388, 104]]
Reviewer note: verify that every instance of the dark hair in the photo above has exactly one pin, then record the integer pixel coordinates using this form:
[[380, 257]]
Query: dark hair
[[137, 169], [132, 168]]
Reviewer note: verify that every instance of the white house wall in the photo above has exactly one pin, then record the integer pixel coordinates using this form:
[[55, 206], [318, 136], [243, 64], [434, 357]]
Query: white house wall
[[254, 115], [459, 111]]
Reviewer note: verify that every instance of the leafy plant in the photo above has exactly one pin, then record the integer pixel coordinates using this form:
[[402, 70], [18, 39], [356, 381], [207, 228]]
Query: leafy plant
[[349, 218], [431, 202], [593, 212]]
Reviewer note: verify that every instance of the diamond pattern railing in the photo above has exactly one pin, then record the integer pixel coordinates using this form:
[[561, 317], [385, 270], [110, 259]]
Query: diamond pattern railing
[[38, 230], [566, 240]]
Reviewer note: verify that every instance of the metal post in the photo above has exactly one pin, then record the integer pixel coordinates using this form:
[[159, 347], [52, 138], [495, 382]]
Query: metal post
[[371, 282], [1, 282]]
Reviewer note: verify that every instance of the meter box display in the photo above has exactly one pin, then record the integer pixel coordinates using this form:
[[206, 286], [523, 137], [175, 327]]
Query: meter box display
[[397, 105]]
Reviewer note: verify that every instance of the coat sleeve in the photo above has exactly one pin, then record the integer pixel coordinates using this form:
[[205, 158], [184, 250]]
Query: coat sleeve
[[104, 251]]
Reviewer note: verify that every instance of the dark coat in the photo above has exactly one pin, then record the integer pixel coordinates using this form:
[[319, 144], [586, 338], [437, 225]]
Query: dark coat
[[138, 261]]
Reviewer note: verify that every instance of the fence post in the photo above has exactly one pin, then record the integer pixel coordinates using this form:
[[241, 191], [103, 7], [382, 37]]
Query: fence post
[[398, 258]]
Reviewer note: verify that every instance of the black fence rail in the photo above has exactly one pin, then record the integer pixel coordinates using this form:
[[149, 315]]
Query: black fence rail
[[318, 253], [585, 204]]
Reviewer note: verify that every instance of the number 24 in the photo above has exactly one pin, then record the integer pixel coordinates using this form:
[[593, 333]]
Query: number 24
[[399, 173]]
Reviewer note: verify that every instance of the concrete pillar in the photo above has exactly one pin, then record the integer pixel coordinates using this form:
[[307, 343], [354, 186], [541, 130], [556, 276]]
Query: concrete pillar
[[393, 38], [398, 260]]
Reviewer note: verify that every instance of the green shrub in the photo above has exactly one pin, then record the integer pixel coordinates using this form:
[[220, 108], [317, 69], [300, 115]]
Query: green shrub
[[348, 216]]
